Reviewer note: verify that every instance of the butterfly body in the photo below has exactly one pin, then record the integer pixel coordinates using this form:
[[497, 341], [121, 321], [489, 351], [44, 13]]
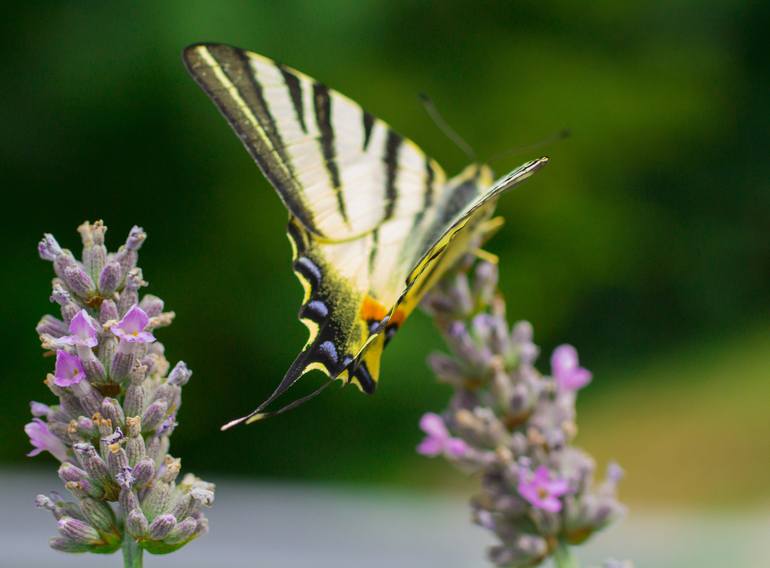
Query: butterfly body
[[373, 221]]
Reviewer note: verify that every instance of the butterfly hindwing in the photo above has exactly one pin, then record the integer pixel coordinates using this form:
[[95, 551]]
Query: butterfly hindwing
[[460, 231]]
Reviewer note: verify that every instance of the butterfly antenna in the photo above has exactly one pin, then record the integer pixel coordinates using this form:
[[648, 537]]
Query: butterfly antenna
[[443, 125], [562, 134]]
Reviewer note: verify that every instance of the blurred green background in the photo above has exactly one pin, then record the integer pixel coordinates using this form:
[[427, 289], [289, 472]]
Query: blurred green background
[[644, 243]]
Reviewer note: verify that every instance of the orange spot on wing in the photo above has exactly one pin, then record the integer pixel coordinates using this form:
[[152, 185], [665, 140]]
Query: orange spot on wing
[[373, 310], [398, 317]]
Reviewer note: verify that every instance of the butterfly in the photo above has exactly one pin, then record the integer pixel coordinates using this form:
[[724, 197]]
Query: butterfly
[[373, 221]]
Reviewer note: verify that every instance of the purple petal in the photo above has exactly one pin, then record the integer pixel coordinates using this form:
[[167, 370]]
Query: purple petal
[[135, 320], [83, 330], [558, 487], [69, 370], [433, 425], [574, 380], [430, 447], [542, 475], [564, 359], [549, 504], [528, 490], [135, 337], [43, 440], [39, 409], [456, 447], [131, 327]]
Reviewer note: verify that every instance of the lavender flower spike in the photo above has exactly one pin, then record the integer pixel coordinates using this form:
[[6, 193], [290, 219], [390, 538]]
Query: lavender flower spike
[[513, 426], [108, 383]]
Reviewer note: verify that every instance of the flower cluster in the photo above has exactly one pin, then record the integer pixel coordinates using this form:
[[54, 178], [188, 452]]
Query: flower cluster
[[117, 406], [513, 426]]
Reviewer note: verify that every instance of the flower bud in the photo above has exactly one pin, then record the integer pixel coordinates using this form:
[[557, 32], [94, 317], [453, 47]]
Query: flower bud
[[127, 498], [108, 311], [136, 237], [144, 471], [157, 500], [106, 352], [133, 404], [476, 356], [78, 280], [130, 294], [157, 448], [122, 362], [152, 305], [117, 460], [485, 283], [135, 448], [524, 550], [109, 278], [69, 472], [78, 531], [88, 397], [136, 524], [168, 393], [62, 262], [460, 295], [202, 527], [111, 410], [180, 374], [69, 309], [183, 531], [171, 470], [96, 467], [98, 514], [64, 544], [154, 415], [92, 366], [94, 251], [52, 326], [161, 526], [48, 248]]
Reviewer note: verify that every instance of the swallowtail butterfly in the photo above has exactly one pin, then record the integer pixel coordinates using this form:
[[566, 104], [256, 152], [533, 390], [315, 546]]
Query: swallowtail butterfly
[[373, 221]]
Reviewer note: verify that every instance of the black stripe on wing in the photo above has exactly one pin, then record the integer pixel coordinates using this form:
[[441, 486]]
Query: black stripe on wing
[[265, 147], [392, 146], [368, 121], [322, 105], [427, 198], [294, 85]]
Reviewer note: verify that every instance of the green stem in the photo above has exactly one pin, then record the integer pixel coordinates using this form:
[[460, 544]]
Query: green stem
[[563, 557], [132, 553]]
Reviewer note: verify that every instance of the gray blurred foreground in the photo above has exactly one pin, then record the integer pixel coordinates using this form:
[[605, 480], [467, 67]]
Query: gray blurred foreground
[[278, 525]]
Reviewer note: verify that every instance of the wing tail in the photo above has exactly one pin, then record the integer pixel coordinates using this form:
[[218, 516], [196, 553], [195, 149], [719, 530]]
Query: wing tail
[[302, 364]]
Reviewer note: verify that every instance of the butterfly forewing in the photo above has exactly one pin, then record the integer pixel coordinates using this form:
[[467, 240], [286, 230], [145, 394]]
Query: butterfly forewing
[[340, 171]]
